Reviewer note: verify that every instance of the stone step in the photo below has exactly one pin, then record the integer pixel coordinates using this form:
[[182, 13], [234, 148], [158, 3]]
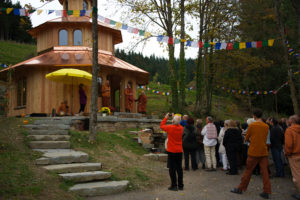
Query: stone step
[[53, 121], [48, 132], [48, 137], [62, 157], [99, 188], [72, 168], [47, 126], [80, 177], [49, 144]]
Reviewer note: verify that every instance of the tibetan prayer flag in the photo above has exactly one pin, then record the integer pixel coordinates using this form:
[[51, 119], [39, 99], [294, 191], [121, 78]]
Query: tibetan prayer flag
[[2, 10], [165, 39], [16, 11], [248, 45], [147, 34], [82, 13], [40, 11], [58, 13], [253, 44], [135, 31], [200, 44], [171, 41], [188, 43], [101, 18], [130, 29], [223, 45], [212, 43], [142, 33], [159, 38], [242, 45], [124, 27], [70, 12], [176, 41], [195, 44], [8, 10], [182, 40], [236, 45], [107, 21], [88, 13], [218, 46], [206, 44], [118, 25], [270, 42], [265, 43], [64, 13], [265, 92], [112, 22], [229, 46], [259, 44], [50, 12], [76, 13]]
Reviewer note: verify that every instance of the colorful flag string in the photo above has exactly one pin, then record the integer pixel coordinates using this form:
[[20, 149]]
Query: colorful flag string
[[143, 33]]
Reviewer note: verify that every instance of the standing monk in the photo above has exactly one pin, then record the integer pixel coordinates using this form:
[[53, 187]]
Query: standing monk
[[82, 98], [257, 134], [142, 102], [106, 94], [128, 98]]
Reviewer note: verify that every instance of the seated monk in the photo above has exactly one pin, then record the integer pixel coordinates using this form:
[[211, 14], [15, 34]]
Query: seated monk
[[63, 109], [142, 101]]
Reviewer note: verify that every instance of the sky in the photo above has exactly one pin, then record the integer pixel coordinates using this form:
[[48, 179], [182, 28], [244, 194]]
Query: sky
[[152, 47]]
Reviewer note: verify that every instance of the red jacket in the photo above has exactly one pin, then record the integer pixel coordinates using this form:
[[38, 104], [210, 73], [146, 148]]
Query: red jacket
[[175, 132]]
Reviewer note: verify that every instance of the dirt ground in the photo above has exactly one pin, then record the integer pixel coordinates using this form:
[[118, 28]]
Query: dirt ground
[[211, 186]]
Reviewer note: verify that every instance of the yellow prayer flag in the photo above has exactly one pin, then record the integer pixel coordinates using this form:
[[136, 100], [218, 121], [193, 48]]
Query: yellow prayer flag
[[242, 45], [39, 12], [76, 13], [182, 40], [212, 43], [8, 10], [270, 42], [118, 25], [147, 34]]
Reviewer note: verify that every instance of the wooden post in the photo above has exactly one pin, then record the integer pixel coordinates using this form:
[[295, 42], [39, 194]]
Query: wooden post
[[95, 72]]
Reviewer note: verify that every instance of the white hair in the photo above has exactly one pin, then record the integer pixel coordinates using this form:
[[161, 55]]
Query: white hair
[[176, 119], [250, 120]]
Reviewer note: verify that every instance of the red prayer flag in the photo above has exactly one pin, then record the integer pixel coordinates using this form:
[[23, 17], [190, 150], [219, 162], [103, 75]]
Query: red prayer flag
[[200, 44], [64, 13], [258, 44], [229, 46], [171, 41]]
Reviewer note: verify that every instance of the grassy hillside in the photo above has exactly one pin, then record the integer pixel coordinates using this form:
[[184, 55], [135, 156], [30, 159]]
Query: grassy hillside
[[12, 52]]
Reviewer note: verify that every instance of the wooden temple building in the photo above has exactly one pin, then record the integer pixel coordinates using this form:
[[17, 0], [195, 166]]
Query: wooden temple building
[[66, 42]]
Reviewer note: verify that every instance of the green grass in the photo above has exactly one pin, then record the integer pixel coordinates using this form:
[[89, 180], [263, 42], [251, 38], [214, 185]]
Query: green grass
[[13, 53]]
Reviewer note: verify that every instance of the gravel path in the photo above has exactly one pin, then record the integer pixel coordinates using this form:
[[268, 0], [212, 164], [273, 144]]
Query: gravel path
[[211, 186]]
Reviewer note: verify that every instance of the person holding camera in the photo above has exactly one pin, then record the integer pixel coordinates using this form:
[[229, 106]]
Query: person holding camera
[[174, 149]]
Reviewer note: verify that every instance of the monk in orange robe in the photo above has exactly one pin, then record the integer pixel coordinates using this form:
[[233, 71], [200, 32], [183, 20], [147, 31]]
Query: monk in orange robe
[[106, 94], [128, 98], [142, 101], [63, 109]]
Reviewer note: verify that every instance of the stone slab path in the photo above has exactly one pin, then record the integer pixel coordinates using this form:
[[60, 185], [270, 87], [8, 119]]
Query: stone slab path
[[202, 185]]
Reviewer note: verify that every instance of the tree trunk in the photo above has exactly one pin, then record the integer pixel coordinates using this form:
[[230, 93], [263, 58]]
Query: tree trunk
[[286, 59], [182, 66], [95, 72]]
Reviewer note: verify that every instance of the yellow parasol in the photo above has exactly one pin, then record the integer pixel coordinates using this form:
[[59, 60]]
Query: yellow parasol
[[71, 77]]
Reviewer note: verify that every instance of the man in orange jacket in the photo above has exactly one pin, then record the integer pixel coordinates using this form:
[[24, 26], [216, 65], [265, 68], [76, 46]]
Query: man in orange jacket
[[257, 134], [292, 150], [174, 149]]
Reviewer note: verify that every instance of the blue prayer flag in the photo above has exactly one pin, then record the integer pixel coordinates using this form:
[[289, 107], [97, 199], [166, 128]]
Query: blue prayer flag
[[218, 46], [248, 45]]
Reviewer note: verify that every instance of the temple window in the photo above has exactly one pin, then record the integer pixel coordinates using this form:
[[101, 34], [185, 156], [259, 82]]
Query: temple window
[[21, 92], [77, 38], [63, 37]]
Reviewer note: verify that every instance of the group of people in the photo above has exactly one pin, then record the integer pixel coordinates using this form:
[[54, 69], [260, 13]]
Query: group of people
[[229, 146]]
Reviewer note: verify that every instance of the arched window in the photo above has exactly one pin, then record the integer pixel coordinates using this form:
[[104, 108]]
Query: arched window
[[77, 38], [63, 37], [85, 5]]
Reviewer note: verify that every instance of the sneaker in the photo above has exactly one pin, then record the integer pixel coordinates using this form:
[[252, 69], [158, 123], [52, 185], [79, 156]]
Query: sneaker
[[296, 196], [173, 188], [264, 195], [236, 191]]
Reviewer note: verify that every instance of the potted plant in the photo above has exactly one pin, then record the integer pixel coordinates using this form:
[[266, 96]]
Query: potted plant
[[105, 111]]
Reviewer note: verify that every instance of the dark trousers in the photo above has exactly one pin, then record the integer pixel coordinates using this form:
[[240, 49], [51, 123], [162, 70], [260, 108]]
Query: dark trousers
[[251, 163], [188, 152], [232, 153], [175, 169], [276, 154], [82, 106]]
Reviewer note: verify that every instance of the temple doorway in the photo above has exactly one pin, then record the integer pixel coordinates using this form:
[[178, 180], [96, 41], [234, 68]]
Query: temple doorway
[[115, 81]]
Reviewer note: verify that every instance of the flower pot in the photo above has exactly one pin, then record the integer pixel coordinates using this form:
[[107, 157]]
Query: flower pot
[[103, 114]]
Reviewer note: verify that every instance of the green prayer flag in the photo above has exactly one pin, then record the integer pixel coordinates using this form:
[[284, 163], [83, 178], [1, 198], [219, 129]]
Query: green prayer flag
[[142, 33], [70, 12], [112, 22], [176, 41], [236, 45], [265, 43], [3, 9], [206, 45]]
